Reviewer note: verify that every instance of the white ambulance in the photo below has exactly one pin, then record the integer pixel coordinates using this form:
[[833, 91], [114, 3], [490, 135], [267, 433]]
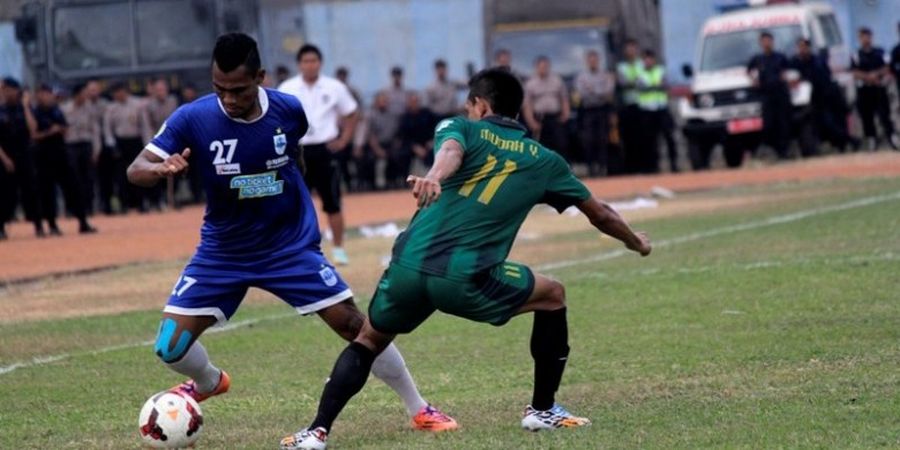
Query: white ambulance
[[723, 107]]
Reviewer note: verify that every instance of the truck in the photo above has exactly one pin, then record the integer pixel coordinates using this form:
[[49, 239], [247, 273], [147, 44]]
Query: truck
[[723, 108], [66, 42]]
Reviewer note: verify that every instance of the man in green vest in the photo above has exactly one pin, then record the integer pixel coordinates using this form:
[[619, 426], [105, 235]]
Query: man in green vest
[[627, 72], [653, 102]]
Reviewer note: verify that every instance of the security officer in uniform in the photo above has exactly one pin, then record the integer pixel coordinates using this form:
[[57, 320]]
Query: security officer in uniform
[[768, 72], [627, 72], [16, 143], [871, 73], [653, 102]]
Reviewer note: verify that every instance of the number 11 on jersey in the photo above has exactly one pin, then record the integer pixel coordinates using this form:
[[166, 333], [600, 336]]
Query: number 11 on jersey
[[493, 184]]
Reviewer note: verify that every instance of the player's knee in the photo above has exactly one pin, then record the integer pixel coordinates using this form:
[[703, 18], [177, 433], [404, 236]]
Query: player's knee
[[171, 346], [556, 296]]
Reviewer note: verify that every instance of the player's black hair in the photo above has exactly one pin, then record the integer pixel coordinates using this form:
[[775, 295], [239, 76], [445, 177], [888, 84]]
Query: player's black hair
[[631, 41], [804, 41], [541, 58], [342, 71], [649, 53], [77, 88], [44, 87], [766, 34], [865, 30], [500, 88], [396, 70], [11, 82], [234, 50], [308, 48], [440, 63], [118, 86]]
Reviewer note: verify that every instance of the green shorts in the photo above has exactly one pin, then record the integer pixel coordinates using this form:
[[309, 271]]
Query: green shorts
[[406, 297]]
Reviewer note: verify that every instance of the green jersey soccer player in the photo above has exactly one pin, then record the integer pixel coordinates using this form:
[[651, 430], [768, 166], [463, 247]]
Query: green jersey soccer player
[[486, 177]]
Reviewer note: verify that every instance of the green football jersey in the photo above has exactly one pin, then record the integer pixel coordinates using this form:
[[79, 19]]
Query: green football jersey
[[474, 222]]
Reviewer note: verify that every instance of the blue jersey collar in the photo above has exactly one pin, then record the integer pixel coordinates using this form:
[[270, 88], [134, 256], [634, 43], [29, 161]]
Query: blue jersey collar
[[263, 106]]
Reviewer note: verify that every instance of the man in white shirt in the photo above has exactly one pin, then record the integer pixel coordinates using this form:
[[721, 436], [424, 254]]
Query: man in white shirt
[[332, 115]]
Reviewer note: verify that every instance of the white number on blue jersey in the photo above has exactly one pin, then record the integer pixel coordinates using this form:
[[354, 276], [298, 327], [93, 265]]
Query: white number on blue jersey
[[219, 148], [183, 284]]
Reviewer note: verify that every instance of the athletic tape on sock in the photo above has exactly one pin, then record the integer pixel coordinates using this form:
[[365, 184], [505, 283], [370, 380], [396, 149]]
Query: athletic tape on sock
[[166, 336]]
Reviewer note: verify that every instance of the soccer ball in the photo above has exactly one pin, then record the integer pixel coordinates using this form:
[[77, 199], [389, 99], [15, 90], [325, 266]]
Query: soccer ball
[[170, 420]]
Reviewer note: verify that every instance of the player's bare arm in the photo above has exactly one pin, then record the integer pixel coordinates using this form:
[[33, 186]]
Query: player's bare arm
[[608, 221], [148, 168], [427, 189]]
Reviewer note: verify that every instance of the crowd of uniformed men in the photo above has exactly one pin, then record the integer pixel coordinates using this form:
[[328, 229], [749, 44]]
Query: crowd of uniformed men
[[609, 121]]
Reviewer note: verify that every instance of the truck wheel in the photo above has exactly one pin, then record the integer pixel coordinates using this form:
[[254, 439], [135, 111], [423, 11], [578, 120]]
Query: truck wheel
[[699, 153], [734, 154]]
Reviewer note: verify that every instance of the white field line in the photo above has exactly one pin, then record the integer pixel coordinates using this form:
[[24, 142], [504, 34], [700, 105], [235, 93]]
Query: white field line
[[756, 265], [774, 220], [41, 360], [746, 226]]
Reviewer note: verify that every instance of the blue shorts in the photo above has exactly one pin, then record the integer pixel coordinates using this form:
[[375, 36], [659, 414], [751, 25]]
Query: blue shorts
[[210, 287]]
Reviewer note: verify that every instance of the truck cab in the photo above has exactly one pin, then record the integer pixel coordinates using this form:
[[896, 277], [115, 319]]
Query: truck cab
[[724, 107]]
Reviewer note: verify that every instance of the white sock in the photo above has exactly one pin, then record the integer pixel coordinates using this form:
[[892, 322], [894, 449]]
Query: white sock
[[390, 368], [196, 365]]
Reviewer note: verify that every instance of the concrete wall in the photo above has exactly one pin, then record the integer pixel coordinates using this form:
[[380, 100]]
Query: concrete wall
[[11, 61], [372, 36]]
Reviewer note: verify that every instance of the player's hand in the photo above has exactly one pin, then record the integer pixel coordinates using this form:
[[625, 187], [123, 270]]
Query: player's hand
[[336, 145], [8, 164], [174, 165], [425, 190], [642, 245], [26, 98]]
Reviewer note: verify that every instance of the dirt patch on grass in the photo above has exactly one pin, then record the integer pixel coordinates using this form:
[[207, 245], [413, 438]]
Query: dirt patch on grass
[[153, 248]]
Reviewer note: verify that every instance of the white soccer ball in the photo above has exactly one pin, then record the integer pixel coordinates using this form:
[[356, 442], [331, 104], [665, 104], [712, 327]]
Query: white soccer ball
[[170, 420]]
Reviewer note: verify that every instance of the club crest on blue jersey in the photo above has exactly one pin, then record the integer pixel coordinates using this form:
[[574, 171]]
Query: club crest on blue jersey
[[328, 276], [280, 142]]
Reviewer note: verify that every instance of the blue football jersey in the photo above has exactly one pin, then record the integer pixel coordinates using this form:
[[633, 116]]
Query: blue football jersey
[[258, 208]]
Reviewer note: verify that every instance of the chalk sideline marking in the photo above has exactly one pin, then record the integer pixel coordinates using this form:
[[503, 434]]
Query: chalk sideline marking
[[774, 220]]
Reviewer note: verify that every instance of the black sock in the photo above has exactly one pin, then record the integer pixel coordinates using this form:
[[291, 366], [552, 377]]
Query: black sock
[[550, 350], [351, 370]]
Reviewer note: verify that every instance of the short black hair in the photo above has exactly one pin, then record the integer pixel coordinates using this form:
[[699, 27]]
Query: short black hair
[[766, 34], [282, 70], [804, 41], [396, 70], [342, 71], [78, 87], [308, 48], [11, 82], [440, 63], [541, 58], [631, 41], [649, 53], [234, 50], [118, 86], [501, 51], [500, 88], [865, 30]]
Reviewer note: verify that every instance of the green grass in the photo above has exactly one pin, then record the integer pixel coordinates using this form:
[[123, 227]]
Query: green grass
[[785, 336]]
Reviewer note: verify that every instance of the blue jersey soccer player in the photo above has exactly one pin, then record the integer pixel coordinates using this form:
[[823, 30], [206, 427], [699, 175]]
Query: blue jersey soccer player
[[260, 228]]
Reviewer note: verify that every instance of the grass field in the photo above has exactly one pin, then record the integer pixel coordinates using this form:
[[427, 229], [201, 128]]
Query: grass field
[[767, 317]]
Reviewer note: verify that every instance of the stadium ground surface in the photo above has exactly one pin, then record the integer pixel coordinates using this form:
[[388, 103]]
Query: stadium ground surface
[[768, 316]]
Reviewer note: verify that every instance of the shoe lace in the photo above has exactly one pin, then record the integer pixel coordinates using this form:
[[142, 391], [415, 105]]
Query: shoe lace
[[559, 410], [436, 414]]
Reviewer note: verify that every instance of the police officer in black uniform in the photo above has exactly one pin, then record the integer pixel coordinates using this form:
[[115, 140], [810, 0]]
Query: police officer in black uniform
[[19, 184], [47, 126], [829, 120], [768, 72], [895, 61], [871, 73]]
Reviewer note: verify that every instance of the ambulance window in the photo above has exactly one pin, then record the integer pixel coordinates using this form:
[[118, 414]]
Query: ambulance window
[[830, 30]]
